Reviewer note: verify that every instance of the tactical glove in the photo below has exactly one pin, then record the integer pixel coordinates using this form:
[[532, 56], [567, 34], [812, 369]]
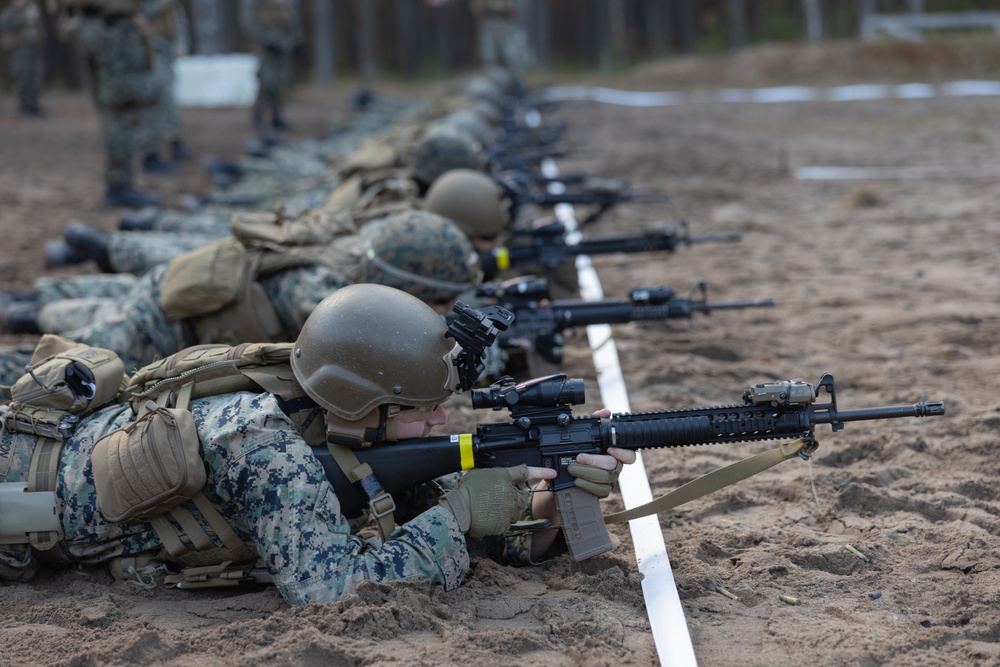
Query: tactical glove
[[488, 501], [594, 480]]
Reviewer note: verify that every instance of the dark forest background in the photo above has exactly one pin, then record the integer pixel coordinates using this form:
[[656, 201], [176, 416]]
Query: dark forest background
[[412, 40]]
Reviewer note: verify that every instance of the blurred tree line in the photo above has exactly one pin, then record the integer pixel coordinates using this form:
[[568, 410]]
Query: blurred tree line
[[410, 39]]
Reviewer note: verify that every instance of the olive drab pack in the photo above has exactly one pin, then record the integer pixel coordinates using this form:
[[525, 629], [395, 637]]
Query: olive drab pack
[[216, 287]]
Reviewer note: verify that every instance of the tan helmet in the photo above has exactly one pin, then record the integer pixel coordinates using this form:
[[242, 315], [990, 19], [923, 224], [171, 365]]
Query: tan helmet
[[366, 345], [423, 254], [473, 200]]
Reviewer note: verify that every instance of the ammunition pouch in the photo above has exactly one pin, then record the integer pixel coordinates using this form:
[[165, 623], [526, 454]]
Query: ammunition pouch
[[149, 466]]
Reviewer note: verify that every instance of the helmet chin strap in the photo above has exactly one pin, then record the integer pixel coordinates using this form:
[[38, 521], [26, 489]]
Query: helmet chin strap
[[376, 426], [343, 436]]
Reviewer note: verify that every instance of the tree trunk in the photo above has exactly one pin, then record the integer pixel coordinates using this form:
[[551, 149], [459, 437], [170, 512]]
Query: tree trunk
[[323, 65]]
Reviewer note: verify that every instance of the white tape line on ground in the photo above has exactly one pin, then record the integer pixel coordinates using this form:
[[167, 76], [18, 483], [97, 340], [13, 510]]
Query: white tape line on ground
[[663, 604], [851, 93]]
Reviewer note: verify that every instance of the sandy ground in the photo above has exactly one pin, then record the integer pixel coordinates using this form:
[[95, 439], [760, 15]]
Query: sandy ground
[[890, 285]]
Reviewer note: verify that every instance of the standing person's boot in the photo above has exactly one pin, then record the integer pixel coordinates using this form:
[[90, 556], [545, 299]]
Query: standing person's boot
[[279, 122], [91, 241], [179, 152], [129, 197], [152, 164]]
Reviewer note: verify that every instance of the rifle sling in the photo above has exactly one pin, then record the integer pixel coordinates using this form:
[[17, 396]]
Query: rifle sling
[[717, 479]]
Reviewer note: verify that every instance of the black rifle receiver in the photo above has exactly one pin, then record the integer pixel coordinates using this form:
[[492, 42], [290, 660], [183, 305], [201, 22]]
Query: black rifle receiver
[[543, 432], [538, 326], [547, 247]]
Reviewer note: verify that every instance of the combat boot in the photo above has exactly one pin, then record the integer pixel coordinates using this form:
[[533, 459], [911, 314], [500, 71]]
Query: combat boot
[[152, 164], [60, 253], [141, 221], [90, 241], [179, 152], [129, 197], [279, 123], [21, 317]]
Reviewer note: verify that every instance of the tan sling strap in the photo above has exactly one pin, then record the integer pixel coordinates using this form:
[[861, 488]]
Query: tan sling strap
[[718, 479], [43, 475], [380, 502]]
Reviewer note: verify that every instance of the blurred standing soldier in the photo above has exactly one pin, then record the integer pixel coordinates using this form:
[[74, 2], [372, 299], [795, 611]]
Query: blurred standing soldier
[[170, 36], [22, 36], [275, 28], [503, 41], [113, 40], [502, 38]]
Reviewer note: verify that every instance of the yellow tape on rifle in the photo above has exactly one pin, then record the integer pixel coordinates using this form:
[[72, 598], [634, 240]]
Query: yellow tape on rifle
[[465, 451]]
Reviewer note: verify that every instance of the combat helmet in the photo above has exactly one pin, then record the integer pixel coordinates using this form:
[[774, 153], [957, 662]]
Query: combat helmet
[[367, 345], [423, 254], [471, 121], [441, 149], [483, 88], [472, 200]]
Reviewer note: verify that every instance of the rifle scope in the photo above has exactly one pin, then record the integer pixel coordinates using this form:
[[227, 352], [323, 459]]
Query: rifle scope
[[544, 392]]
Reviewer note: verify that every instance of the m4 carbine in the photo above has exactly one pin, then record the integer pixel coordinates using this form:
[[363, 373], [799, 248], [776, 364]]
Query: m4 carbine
[[538, 326], [602, 193], [543, 432], [547, 247]]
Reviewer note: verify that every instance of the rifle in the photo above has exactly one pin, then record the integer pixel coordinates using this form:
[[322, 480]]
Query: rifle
[[603, 193], [548, 247], [543, 432], [538, 326], [501, 160]]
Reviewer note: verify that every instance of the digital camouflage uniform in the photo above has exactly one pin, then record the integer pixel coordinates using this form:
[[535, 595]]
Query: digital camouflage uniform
[[136, 328], [168, 23], [119, 60], [128, 317], [22, 37], [270, 487], [275, 28], [502, 38]]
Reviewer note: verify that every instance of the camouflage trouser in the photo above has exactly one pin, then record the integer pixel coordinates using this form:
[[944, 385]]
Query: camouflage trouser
[[134, 326], [161, 122], [26, 66], [503, 42], [71, 303], [137, 252], [122, 82], [275, 76], [13, 359], [106, 285], [119, 128], [208, 224]]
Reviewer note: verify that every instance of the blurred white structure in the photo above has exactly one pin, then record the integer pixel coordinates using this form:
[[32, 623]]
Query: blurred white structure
[[225, 80]]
